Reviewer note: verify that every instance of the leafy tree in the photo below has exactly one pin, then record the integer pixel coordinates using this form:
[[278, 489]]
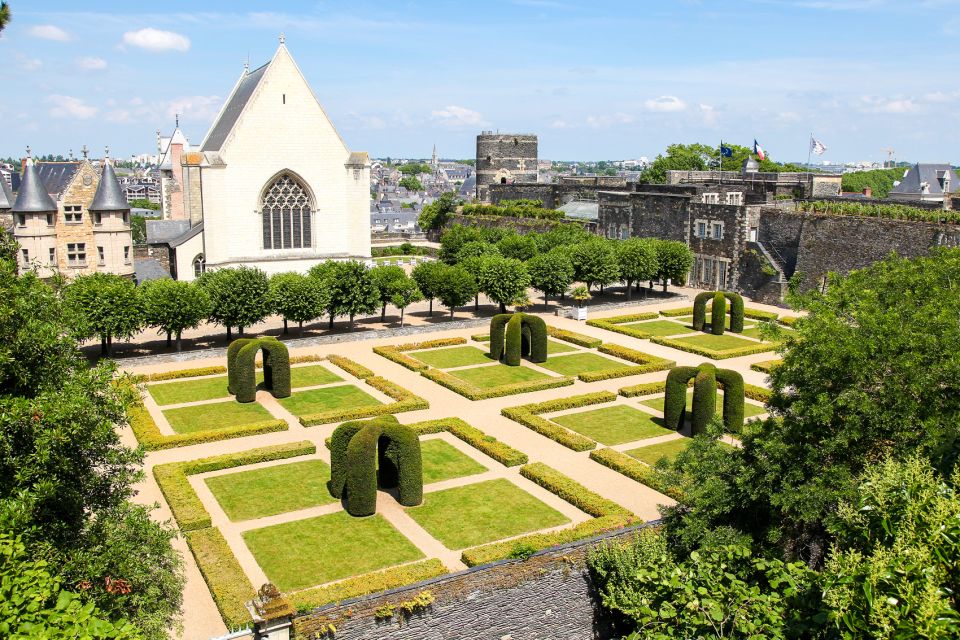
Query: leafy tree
[[35, 604], [405, 292], [173, 306], [503, 280], [637, 261], [138, 229], [239, 297], [4, 15], [143, 203], [474, 265], [454, 238], [410, 183], [686, 157], [560, 236], [674, 261], [434, 215], [872, 372], [476, 249], [880, 181], [455, 287], [296, 297], [414, 168], [594, 262], [352, 291], [384, 277], [551, 273], [519, 247], [105, 305], [427, 277]]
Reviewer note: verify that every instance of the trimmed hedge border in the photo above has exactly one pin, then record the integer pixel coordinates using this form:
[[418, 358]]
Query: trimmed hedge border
[[529, 416], [184, 503], [148, 433], [674, 313], [608, 516], [227, 582], [646, 363], [789, 321], [355, 369], [579, 339], [614, 324], [759, 314], [760, 394], [499, 451], [635, 470], [472, 392], [766, 366], [644, 389], [396, 353], [180, 373], [368, 583], [760, 347], [480, 337], [405, 401]]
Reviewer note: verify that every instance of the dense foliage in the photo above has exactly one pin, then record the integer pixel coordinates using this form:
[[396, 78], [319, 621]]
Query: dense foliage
[[434, 215], [869, 210], [105, 305], [702, 157], [173, 306], [879, 181], [238, 297]]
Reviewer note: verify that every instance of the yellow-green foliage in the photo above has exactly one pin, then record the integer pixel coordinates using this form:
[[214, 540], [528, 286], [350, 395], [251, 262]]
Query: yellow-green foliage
[[573, 337], [644, 389], [499, 451], [396, 353], [754, 392], [472, 392], [617, 323], [148, 433], [181, 373], [355, 369], [369, 583], [635, 470], [228, 584], [528, 416], [766, 366], [713, 354], [673, 313], [404, 401]]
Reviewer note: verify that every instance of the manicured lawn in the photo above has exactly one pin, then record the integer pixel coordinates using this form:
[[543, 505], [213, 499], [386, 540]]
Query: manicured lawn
[[443, 461], [724, 342], [669, 450], [346, 396], [578, 363], [554, 346], [246, 495], [496, 375], [688, 320], [613, 425], [189, 390], [659, 327], [216, 415], [452, 357], [308, 376], [754, 332], [749, 409], [317, 550], [483, 512]]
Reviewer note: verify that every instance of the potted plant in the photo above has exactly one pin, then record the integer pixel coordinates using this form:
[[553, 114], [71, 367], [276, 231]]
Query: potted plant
[[580, 294]]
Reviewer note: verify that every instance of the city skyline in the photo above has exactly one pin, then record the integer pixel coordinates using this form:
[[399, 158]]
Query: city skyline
[[594, 83]]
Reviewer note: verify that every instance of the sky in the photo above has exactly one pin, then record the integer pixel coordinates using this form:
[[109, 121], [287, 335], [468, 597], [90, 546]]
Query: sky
[[594, 80]]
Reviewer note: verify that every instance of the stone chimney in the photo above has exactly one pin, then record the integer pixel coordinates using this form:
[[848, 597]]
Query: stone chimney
[[867, 192]]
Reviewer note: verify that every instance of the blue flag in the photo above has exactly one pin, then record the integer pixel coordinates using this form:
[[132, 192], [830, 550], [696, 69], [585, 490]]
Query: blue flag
[[725, 151]]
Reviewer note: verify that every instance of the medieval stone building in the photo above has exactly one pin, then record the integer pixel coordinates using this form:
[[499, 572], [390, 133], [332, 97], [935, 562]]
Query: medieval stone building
[[505, 158]]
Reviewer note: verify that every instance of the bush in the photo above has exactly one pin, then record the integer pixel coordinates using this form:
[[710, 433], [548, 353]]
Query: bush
[[789, 321], [643, 389], [704, 398], [228, 584], [614, 324], [480, 337], [759, 314], [396, 353], [148, 433], [713, 354], [574, 338], [673, 313], [182, 373], [675, 401], [571, 491], [635, 470], [529, 416], [732, 383], [700, 310], [736, 311], [498, 328], [355, 369], [754, 392], [472, 392], [513, 341], [653, 363], [766, 366], [718, 314], [538, 337], [499, 451], [240, 368]]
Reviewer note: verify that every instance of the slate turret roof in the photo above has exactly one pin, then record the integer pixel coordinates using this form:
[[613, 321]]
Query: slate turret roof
[[6, 195], [109, 196], [33, 196]]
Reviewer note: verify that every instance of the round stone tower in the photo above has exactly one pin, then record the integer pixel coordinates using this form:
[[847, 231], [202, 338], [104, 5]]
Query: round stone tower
[[504, 158]]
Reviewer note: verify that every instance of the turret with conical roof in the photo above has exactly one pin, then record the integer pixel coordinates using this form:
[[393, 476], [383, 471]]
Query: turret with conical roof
[[33, 196], [6, 195], [109, 196]]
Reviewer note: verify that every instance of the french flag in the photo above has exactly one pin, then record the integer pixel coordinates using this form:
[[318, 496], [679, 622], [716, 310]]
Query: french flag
[[757, 149]]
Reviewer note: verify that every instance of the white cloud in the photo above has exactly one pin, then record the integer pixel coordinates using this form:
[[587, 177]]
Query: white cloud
[[156, 40], [194, 108], [27, 63], [666, 103], [49, 32], [886, 105], [91, 63], [559, 124], [69, 107], [605, 121], [456, 116], [708, 114]]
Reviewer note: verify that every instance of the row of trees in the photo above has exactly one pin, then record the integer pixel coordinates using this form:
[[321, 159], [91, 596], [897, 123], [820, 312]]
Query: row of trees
[[701, 157], [838, 516]]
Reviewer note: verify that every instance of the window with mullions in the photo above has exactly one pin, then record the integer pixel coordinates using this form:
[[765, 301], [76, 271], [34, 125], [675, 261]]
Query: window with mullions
[[286, 215]]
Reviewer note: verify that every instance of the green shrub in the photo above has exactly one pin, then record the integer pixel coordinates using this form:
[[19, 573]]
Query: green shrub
[[713, 354], [759, 314], [615, 324], [182, 373], [704, 398], [571, 491], [635, 470], [736, 311], [754, 392], [674, 313], [718, 314], [538, 337], [391, 353], [480, 337], [228, 584], [276, 367], [788, 321], [655, 363], [241, 376], [512, 348], [574, 337], [529, 416], [472, 392], [643, 389], [355, 369], [498, 327], [234, 377], [148, 433], [700, 310], [732, 383], [766, 366], [499, 451], [675, 401]]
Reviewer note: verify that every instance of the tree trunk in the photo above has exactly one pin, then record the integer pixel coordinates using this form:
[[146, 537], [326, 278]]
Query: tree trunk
[[301, 329], [103, 345], [285, 329], [383, 313], [651, 285], [179, 344], [401, 316], [351, 322], [451, 313], [601, 288], [431, 307], [503, 308], [629, 290], [240, 331], [563, 295], [476, 302], [168, 339], [109, 345], [330, 326], [229, 333], [664, 285], [546, 300]]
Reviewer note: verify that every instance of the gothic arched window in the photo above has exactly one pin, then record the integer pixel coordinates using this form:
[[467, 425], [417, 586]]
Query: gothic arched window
[[199, 266], [286, 214]]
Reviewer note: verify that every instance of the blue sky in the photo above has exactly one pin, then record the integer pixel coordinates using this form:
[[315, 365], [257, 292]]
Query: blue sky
[[600, 80]]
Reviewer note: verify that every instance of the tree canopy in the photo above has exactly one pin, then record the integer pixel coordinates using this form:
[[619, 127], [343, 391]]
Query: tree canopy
[[239, 297], [105, 305], [173, 306]]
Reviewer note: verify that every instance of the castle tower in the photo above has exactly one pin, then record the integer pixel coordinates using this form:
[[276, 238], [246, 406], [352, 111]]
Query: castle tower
[[34, 219], [504, 158], [112, 234]]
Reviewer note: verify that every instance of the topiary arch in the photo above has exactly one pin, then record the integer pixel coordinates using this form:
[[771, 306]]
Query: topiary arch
[[705, 380], [518, 335], [367, 454], [241, 368], [718, 311]]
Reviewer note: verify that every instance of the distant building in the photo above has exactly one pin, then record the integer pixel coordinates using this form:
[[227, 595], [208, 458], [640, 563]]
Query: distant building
[[142, 191], [505, 158], [926, 183]]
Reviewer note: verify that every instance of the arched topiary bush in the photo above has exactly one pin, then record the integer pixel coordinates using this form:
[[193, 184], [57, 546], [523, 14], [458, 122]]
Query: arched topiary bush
[[718, 314], [733, 399], [538, 338], [705, 379], [498, 327], [517, 335], [736, 311], [700, 310], [358, 448], [514, 340], [241, 368]]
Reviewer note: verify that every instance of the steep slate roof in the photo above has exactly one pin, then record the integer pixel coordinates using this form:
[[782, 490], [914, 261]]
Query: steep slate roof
[[929, 173], [582, 210], [33, 196], [109, 195], [149, 269], [56, 176], [6, 195], [232, 110], [162, 231]]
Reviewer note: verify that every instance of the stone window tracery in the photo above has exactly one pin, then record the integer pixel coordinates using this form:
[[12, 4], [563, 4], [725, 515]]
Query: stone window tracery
[[286, 211]]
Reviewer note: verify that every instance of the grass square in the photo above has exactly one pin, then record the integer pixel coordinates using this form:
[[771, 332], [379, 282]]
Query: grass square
[[304, 553], [613, 425], [725, 342], [497, 375], [669, 450], [554, 346], [257, 493], [749, 409], [482, 512], [215, 415], [189, 390], [688, 320], [659, 327], [347, 396], [754, 332], [452, 357], [443, 461], [578, 363], [308, 376]]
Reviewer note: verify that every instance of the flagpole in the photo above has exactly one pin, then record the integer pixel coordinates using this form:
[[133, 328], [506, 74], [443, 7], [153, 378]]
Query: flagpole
[[720, 166], [809, 150]]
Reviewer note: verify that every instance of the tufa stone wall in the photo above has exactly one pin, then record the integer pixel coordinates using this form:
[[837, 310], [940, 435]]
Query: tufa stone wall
[[550, 595]]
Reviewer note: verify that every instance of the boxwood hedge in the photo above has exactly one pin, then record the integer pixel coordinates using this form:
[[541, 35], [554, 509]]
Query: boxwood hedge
[[635, 470], [148, 433]]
